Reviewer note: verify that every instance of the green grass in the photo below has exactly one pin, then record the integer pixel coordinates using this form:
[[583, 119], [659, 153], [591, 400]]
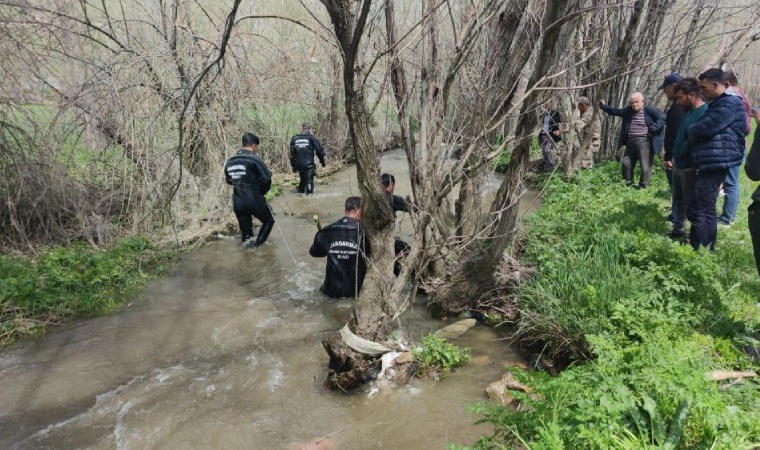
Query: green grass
[[438, 357], [640, 318], [72, 281]]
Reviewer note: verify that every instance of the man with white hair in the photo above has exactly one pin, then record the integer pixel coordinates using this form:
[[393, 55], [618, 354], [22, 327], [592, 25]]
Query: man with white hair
[[640, 133]]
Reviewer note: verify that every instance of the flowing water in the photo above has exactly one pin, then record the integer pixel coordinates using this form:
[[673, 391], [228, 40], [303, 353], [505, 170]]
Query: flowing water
[[225, 352]]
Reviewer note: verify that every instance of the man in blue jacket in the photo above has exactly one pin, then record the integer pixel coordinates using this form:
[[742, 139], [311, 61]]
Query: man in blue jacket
[[752, 168], [640, 133], [717, 143]]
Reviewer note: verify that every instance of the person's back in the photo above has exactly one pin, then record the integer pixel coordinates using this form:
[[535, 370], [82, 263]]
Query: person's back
[[718, 138], [345, 246], [303, 147]]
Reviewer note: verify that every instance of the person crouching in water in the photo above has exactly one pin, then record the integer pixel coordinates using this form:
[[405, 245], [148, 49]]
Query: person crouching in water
[[251, 180], [302, 149], [346, 246]]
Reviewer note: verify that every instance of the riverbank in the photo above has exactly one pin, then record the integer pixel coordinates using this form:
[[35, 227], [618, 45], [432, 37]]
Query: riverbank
[[74, 281], [639, 321]]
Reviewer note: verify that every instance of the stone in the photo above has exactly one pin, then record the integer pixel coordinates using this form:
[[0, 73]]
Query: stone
[[498, 391], [480, 360], [456, 329]]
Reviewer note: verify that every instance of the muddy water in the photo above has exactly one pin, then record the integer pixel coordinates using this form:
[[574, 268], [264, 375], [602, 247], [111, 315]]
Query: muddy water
[[225, 352]]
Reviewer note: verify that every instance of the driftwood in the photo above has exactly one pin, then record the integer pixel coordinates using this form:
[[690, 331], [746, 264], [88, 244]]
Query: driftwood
[[720, 375]]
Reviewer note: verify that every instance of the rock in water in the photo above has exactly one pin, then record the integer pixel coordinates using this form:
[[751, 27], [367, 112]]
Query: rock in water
[[498, 390], [456, 329]]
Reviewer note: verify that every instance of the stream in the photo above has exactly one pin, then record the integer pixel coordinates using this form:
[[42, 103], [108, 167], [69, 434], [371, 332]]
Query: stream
[[225, 352]]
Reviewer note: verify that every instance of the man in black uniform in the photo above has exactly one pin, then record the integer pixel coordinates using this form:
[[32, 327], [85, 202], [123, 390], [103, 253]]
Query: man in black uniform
[[346, 246], [251, 179], [400, 247], [302, 149], [389, 185]]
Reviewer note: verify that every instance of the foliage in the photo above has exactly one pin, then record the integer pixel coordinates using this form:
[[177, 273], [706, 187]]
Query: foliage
[[644, 318], [440, 356], [72, 281]]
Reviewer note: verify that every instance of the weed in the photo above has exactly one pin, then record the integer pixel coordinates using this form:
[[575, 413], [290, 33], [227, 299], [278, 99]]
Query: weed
[[438, 356]]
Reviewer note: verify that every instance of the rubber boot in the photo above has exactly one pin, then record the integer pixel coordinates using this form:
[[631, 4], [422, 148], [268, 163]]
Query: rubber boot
[[264, 231]]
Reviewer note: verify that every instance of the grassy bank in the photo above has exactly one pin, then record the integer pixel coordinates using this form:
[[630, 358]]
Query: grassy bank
[[72, 281], [642, 321]]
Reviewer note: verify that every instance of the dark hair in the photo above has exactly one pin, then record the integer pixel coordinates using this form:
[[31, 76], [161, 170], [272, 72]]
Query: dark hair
[[731, 78], [306, 126], [688, 85], [353, 203], [250, 139], [713, 76], [387, 179]]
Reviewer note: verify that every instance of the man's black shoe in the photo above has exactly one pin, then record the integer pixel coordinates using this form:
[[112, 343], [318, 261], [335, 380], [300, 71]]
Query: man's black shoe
[[677, 235]]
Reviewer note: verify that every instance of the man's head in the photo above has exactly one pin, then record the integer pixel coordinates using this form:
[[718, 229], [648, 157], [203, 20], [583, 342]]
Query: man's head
[[731, 78], [688, 94], [306, 127], [636, 100], [583, 104], [388, 181], [250, 141], [669, 85], [354, 207], [712, 82]]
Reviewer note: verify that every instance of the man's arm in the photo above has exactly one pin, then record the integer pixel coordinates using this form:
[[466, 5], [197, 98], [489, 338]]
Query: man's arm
[[752, 166], [714, 121], [320, 151], [318, 250], [658, 120], [620, 112], [293, 154], [262, 174], [227, 175]]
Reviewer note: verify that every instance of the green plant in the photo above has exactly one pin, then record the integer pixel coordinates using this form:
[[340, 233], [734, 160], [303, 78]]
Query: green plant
[[438, 355]]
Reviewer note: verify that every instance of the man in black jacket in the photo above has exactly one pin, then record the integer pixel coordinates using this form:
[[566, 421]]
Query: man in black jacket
[[302, 148], [251, 180], [346, 246], [640, 134], [673, 117], [752, 168], [550, 134]]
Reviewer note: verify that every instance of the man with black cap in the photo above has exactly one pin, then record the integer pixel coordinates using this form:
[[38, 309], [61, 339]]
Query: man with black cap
[[673, 117], [302, 148], [251, 180], [346, 246]]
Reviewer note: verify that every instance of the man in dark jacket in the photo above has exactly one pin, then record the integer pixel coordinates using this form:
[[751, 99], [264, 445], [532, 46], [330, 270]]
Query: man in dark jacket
[[400, 247], [346, 246], [302, 148], [550, 134], [717, 141], [752, 168], [640, 134], [673, 117], [731, 182], [251, 180], [690, 98]]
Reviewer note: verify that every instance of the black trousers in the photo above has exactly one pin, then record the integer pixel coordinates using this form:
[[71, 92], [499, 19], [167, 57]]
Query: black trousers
[[261, 211], [306, 182], [704, 220], [753, 217], [637, 149]]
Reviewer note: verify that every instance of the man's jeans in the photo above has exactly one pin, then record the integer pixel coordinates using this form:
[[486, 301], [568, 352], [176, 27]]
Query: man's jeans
[[704, 220], [731, 200], [753, 217], [683, 197], [637, 149]]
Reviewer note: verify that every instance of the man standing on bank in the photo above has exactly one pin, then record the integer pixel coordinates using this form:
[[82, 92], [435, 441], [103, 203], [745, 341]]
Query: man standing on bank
[[717, 141], [251, 180], [549, 136], [640, 134], [346, 246], [302, 148]]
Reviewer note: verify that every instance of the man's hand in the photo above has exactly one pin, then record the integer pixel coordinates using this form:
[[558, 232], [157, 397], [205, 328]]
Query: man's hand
[[602, 102], [322, 161], [667, 164], [556, 132]]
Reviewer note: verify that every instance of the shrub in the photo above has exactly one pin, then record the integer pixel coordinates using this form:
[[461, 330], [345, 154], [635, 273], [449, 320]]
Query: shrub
[[438, 356]]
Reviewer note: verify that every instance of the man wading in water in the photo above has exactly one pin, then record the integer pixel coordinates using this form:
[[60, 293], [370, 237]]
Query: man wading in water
[[302, 149], [251, 179], [345, 245]]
